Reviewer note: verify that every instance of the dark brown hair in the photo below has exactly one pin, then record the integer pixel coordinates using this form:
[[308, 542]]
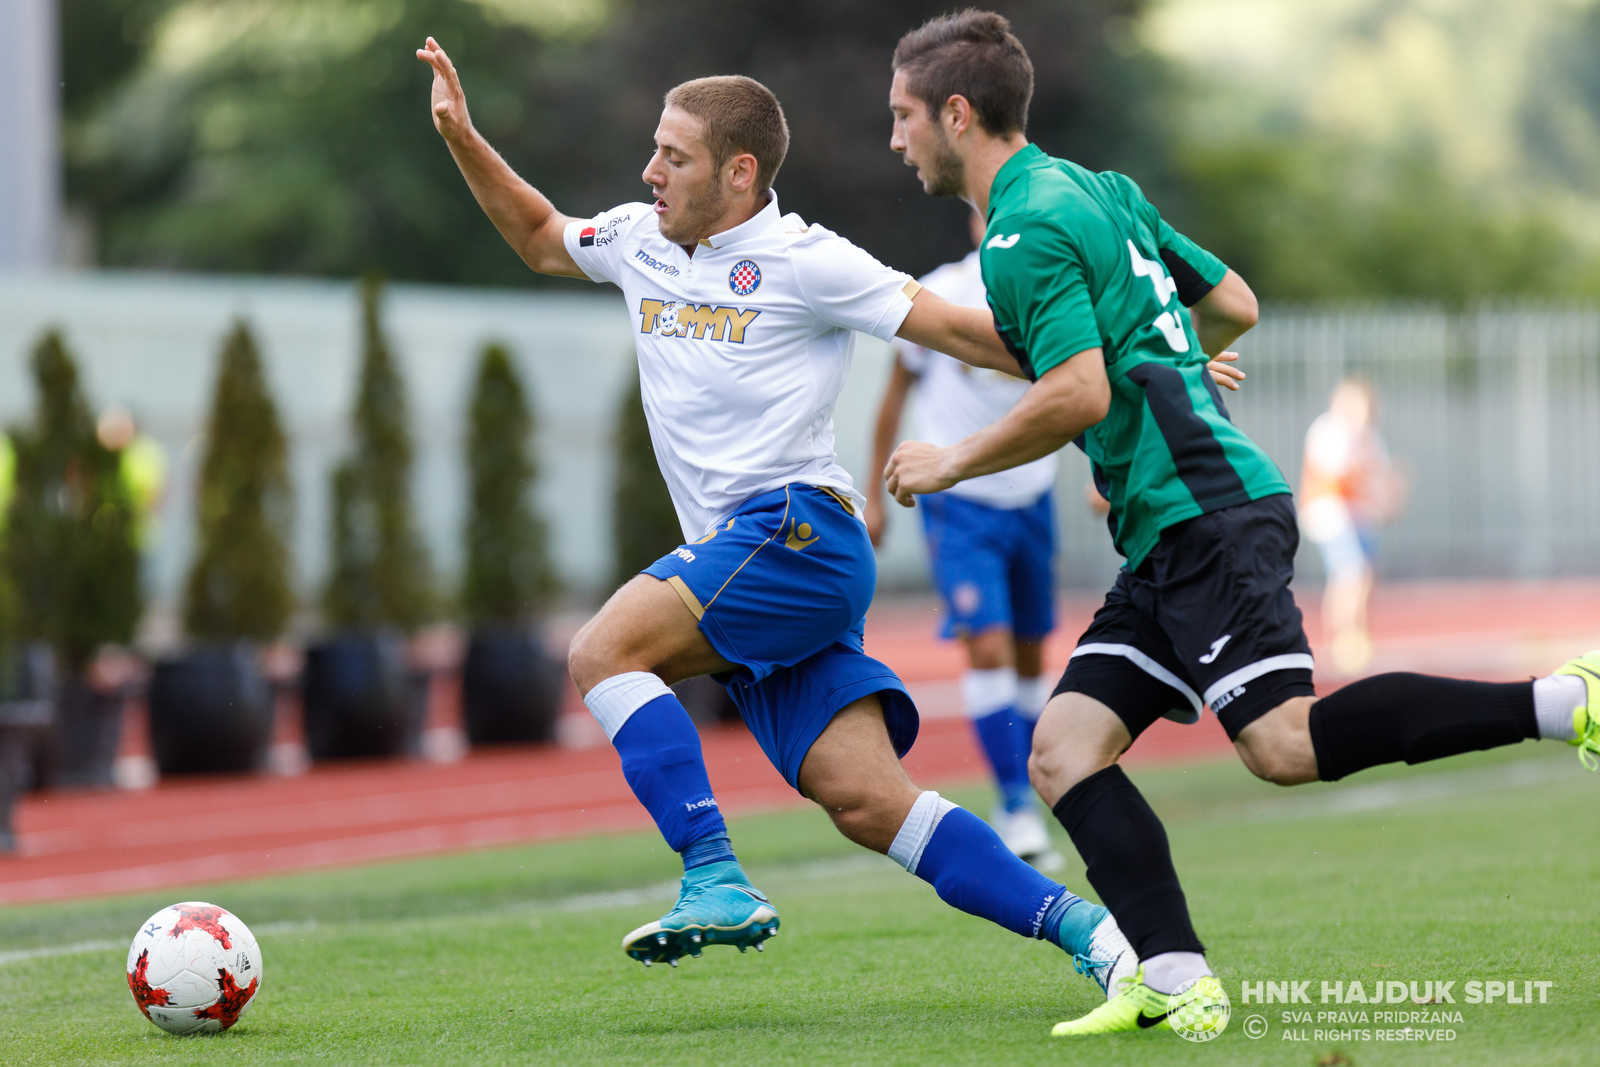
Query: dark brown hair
[[973, 54], [740, 115]]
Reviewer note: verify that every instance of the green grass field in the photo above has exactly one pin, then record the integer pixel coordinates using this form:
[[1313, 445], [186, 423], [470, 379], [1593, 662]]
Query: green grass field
[[1478, 868]]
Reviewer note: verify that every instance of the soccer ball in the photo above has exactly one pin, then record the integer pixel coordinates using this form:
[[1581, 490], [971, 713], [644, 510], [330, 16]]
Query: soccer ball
[[194, 968]]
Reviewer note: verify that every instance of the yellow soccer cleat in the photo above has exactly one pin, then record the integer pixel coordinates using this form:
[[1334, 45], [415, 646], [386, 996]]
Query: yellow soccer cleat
[[1134, 1007], [1198, 1012], [1586, 717]]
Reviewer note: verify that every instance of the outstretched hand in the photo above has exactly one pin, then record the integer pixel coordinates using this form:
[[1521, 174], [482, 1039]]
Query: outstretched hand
[[1224, 375], [450, 116]]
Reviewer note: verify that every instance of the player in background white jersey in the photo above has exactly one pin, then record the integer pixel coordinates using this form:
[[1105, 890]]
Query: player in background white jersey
[[991, 547], [744, 321]]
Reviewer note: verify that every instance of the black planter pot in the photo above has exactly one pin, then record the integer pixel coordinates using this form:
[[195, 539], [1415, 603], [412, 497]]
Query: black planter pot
[[510, 690], [27, 707], [210, 712], [360, 700], [82, 744]]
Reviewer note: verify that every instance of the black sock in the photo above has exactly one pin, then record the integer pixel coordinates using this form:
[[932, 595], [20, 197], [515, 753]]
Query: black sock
[[1415, 717], [1129, 861]]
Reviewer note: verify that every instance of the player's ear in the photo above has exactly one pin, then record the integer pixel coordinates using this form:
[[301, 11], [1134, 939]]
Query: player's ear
[[956, 115], [742, 170]]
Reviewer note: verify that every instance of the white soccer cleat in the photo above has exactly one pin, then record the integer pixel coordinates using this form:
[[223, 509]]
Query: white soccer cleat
[[1024, 833], [1110, 957]]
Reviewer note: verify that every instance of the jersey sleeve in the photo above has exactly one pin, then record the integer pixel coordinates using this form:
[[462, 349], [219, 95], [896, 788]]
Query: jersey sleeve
[[596, 244], [1037, 281], [845, 286], [1195, 270]]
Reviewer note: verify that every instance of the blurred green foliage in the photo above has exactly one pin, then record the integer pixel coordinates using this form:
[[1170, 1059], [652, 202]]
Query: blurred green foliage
[[1312, 221], [379, 574], [239, 585], [69, 546], [508, 578], [294, 136]]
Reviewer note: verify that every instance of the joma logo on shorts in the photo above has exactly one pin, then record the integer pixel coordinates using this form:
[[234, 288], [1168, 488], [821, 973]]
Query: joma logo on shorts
[[676, 318]]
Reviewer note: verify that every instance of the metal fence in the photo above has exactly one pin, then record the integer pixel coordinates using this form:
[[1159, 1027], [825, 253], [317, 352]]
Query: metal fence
[[1493, 415]]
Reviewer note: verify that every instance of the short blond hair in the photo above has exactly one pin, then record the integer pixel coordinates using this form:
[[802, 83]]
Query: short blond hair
[[740, 115]]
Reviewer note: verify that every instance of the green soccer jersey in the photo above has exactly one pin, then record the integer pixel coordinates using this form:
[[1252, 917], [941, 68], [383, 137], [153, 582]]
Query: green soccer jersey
[[1075, 260]]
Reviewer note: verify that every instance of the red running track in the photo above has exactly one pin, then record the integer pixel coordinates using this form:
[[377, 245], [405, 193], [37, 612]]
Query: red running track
[[83, 844]]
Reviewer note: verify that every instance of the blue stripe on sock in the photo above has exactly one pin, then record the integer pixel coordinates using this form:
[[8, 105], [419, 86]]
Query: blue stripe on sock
[[713, 849]]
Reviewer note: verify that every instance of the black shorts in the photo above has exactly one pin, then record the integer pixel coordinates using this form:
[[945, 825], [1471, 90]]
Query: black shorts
[[1206, 619]]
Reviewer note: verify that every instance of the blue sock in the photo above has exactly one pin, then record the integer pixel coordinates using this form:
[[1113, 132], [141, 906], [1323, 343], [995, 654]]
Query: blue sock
[[971, 869], [1007, 737], [663, 764]]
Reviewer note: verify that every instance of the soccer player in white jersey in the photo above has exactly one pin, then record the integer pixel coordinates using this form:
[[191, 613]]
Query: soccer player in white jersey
[[744, 319], [991, 547]]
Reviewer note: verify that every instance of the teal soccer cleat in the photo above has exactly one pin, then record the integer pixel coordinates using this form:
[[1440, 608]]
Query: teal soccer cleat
[[716, 906]]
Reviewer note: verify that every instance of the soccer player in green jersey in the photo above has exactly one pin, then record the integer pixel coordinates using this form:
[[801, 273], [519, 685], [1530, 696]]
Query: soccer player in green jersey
[[1110, 313]]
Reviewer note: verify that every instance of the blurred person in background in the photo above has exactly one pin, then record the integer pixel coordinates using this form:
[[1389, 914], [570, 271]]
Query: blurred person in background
[[142, 465], [991, 546], [8, 478], [1348, 488]]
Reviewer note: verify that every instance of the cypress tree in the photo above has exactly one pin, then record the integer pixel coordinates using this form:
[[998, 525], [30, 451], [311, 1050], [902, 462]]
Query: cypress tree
[[644, 522], [239, 586], [380, 573], [69, 545], [508, 577]]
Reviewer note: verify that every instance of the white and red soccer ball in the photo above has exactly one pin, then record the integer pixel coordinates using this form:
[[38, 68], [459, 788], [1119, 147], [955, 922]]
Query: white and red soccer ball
[[194, 968]]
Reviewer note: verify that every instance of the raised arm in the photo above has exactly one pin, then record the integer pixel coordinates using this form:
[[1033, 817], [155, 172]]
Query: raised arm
[[1065, 401], [525, 218], [883, 435]]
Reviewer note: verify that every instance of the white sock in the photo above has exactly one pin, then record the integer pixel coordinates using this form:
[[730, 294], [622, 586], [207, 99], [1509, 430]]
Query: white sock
[[1033, 694], [1554, 699], [921, 821], [613, 701], [1170, 971], [987, 691]]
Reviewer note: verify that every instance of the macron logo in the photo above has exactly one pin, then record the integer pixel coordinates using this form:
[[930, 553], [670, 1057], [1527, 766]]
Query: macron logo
[[708, 802], [998, 241]]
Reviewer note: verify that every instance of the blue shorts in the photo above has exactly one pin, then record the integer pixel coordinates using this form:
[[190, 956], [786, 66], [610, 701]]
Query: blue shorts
[[992, 566], [781, 591]]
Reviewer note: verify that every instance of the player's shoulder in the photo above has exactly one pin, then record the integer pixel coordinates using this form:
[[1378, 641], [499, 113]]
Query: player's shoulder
[[616, 224]]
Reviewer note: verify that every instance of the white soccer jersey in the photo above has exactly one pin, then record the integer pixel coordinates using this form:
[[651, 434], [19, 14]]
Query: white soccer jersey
[[743, 347], [955, 400]]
